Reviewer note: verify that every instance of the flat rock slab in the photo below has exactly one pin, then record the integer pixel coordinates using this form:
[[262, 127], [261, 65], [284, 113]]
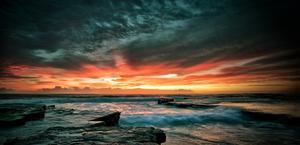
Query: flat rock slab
[[182, 104], [19, 114], [109, 118], [190, 105], [165, 100], [103, 131], [93, 136]]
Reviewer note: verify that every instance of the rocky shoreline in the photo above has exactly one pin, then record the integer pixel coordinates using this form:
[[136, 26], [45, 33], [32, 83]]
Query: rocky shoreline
[[75, 124], [19, 114], [104, 130]]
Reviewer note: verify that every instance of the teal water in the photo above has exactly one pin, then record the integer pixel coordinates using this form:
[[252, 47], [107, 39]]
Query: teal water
[[224, 124]]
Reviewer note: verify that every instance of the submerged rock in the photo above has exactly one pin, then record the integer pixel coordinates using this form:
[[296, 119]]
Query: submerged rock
[[110, 119], [171, 102], [263, 116], [19, 114], [183, 104], [189, 105], [94, 135], [51, 107], [165, 100]]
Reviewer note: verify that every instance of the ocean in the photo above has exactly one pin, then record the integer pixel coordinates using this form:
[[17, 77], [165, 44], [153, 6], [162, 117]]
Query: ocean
[[224, 124]]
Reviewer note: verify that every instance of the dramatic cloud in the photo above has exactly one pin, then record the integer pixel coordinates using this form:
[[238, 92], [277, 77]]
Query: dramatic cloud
[[198, 45]]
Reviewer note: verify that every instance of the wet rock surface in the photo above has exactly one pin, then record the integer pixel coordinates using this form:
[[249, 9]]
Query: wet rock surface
[[50, 107], [184, 103], [189, 105], [101, 127], [19, 114], [279, 118], [165, 100], [94, 135], [109, 119]]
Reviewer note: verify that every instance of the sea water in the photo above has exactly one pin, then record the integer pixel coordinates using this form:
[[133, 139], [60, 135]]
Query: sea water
[[224, 124]]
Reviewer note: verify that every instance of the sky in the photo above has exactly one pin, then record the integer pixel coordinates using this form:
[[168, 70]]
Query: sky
[[149, 46]]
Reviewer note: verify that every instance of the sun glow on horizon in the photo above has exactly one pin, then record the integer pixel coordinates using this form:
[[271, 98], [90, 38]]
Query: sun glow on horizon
[[195, 79]]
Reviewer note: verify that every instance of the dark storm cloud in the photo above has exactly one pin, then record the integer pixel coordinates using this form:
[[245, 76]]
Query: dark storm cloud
[[69, 33], [237, 30], [30, 30]]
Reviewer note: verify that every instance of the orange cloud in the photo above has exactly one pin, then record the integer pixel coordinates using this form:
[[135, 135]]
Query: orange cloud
[[207, 77]]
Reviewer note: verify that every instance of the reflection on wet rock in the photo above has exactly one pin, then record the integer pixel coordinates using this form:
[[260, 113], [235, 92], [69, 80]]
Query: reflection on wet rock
[[94, 135]]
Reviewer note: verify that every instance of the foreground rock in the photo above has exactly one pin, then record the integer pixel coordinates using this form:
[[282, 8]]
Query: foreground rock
[[109, 119], [102, 131], [93, 136], [19, 114]]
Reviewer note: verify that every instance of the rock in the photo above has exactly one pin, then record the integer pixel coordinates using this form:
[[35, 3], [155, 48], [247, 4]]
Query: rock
[[279, 118], [165, 100], [130, 135], [51, 107], [95, 135], [171, 102], [189, 105], [99, 123], [19, 114], [110, 119]]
